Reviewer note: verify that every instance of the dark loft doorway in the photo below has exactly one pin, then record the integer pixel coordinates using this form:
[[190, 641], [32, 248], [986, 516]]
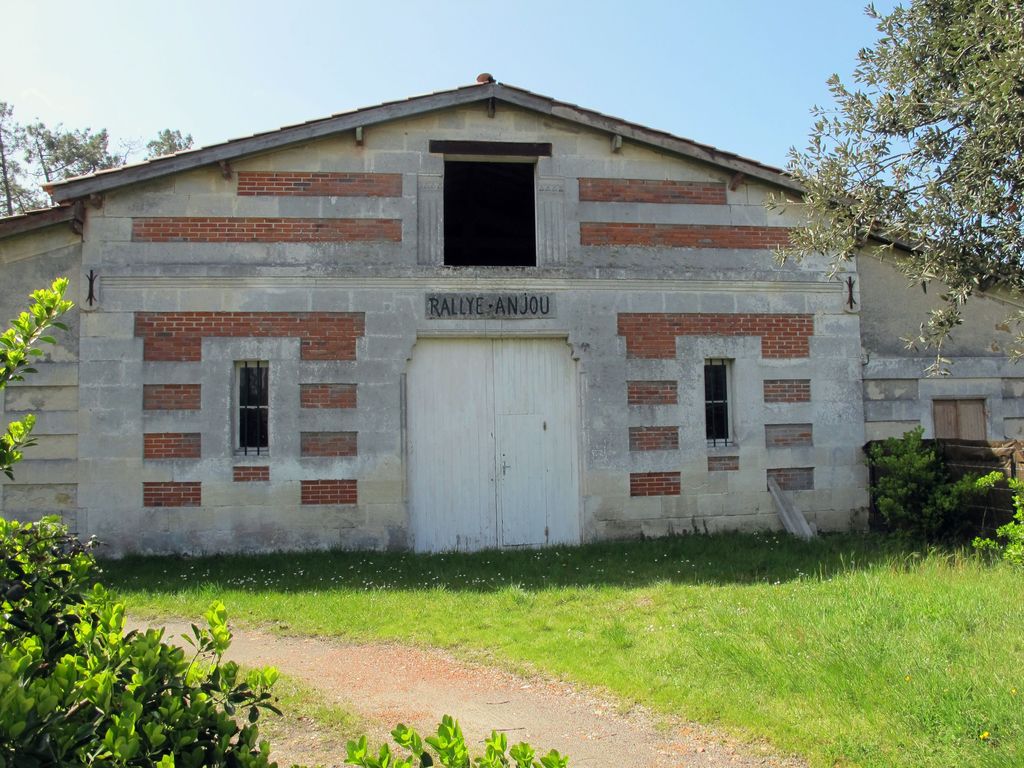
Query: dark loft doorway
[[488, 214]]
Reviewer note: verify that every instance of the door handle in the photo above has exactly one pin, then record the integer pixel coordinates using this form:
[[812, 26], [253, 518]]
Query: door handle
[[504, 468]]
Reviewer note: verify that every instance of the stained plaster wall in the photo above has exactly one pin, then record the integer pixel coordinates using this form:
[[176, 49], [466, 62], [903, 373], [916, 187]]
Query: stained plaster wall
[[898, 393]]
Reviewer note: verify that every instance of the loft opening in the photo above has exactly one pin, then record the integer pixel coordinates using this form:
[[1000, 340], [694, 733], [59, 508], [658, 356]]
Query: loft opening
[[489, 202]]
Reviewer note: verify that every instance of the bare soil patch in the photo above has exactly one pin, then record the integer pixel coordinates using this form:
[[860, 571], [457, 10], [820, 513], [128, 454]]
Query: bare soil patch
[[384, 684]]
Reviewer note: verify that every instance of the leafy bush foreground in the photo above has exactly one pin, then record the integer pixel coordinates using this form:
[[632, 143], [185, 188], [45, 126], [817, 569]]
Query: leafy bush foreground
[[1009, 541], [449, 748], [75, 689]]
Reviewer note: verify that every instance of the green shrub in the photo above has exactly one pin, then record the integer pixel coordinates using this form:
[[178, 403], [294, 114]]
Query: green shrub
[[76, 690], [449, 746], [1012, 549], [914, 492]]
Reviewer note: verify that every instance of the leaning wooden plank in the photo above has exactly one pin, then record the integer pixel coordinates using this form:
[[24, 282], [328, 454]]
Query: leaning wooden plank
[[792, 518]]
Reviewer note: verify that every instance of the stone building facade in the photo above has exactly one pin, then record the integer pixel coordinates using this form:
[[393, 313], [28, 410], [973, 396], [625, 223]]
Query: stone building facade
[[478, 318]]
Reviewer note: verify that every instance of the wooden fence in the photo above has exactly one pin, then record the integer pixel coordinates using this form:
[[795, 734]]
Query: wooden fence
[[977, 457]]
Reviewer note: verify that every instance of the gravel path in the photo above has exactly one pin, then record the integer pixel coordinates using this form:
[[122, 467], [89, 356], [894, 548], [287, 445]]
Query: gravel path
[[385, 684]]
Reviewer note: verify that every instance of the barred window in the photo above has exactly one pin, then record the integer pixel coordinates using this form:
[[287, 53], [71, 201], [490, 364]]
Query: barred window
[[253, 406], [716, 402]]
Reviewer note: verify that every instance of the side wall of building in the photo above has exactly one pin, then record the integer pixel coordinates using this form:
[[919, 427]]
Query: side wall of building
[[898, 395], [46, 480]]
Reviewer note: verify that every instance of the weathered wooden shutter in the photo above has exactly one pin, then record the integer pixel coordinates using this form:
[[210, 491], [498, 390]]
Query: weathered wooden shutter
[[944, 412], [959, 419], [971, 417]]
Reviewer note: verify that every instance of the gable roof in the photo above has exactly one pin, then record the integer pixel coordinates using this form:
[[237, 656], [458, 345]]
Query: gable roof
[[99, 182]]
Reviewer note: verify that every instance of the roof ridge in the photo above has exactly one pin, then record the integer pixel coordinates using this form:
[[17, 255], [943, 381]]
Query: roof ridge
[[80, 186]]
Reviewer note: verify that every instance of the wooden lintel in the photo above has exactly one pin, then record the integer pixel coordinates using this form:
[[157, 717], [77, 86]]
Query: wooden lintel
[[505, 148], [96, 200], [616, 142], [492, 106], [225, 168], [359, 135], [736, 180]]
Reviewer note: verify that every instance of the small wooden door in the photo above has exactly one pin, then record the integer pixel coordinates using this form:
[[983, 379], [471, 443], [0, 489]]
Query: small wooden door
[[493, 458], [959, 419]]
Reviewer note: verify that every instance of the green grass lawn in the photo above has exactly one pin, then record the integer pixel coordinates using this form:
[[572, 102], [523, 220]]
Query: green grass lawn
[[848, 650]]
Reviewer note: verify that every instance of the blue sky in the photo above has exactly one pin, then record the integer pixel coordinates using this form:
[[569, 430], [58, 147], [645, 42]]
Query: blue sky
[[739, 74]]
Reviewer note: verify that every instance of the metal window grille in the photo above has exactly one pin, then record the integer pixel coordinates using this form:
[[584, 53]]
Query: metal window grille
[[716, 401], [253, 406]]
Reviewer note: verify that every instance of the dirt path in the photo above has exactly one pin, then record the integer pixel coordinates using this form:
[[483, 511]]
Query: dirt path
[[385, 684]]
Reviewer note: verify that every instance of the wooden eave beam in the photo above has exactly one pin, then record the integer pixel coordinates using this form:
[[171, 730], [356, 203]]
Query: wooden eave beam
[[16, 225]]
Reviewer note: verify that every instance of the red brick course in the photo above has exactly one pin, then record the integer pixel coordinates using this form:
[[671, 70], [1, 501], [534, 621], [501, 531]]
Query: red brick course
[[787, 435], [651, 392], [327, 395], [653, 335], [328, 443], [302, 183], [226, 229], [682, 235], [654, 484], [793, 478], [651, 191], [329, 492], [171, 397], [787, 390], [172, 494], [250, 474], [653, 438], [723, 463], [178, 335], [171, 445]]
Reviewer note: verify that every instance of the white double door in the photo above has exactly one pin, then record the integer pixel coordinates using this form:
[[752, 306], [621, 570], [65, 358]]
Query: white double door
[[492, 444]]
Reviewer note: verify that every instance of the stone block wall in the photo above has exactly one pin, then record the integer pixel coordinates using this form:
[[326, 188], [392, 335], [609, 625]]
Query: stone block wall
[[46, 480], [318, 260]]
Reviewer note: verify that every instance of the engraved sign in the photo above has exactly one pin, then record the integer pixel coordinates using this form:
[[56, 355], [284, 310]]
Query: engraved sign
[[497, 306]]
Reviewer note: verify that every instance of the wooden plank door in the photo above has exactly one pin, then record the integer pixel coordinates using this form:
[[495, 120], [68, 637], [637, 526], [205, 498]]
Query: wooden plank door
[[519, 422], [535, 410], [521, 482], [451, 446]]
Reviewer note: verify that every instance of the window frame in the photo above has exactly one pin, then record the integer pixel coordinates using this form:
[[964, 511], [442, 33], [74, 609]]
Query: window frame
[[725, 440], [238, 407]]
